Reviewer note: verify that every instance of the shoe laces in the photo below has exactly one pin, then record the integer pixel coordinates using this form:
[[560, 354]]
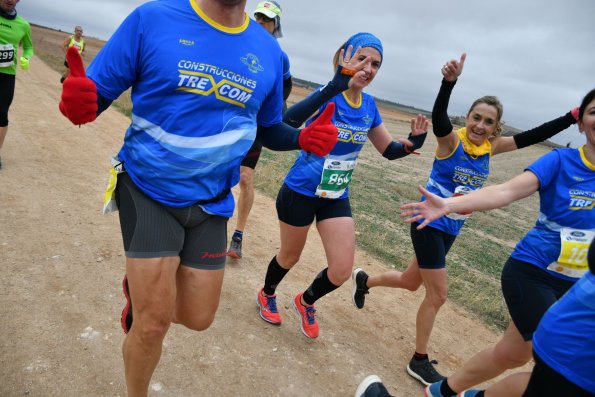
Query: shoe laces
[[310, 314], [272, 304]]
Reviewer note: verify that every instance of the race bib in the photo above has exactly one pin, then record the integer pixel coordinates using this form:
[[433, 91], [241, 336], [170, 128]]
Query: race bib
[[336, 175], [460, 216], [6, 55], [574, 247], [109, 197]]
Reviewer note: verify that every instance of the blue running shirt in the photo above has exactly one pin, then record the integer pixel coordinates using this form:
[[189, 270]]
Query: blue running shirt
[[564, 338], [557, 242], [459, 173], [353, 122], [198, 91]]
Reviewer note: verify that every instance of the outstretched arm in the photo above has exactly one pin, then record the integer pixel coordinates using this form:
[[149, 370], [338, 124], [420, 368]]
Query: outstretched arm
[[531, 137], [495, 196], [349, 67], [319, 137]]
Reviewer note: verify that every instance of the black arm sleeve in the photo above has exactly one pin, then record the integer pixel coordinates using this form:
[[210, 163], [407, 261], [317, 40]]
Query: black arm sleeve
[[440, 121], [279, 137], [301, 111], [544, 131], [396, 150], [102, 104], [287, 86]]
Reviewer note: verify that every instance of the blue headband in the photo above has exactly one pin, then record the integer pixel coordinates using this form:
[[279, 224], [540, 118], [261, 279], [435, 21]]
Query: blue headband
[[364, 40]]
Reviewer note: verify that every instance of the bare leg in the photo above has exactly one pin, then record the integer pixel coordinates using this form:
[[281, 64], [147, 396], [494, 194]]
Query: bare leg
[[3, 131], [152, 285], [246, 198], [293, 240], [338, 239], [197, 298], [410, 279], [512, 386], [436, 292], [511, 351]]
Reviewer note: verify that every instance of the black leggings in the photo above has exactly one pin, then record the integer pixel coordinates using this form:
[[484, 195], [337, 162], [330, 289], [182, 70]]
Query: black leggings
[[7, 82], [546, 382]]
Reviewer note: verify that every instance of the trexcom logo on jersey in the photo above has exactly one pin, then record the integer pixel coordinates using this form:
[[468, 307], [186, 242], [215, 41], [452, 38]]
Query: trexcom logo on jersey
[[581, 199], [355, 137], [204, 79], [252, 62]]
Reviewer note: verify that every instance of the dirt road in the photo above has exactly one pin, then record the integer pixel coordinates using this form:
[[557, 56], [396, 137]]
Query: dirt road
[[62, 263]]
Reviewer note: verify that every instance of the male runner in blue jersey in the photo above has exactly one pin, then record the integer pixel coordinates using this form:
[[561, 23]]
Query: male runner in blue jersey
[[206, 81]]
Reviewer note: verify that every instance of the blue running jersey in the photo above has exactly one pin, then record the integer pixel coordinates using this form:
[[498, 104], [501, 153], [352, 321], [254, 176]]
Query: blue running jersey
[[567, 200], [564, 338], [457, 174], [198, 91], [353, 123]]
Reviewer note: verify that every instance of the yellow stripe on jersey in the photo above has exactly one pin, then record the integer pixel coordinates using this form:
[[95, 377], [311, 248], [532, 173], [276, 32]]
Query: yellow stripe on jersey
[[217, 25]]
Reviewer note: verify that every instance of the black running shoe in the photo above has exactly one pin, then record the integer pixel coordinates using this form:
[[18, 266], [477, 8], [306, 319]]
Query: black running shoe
[[371, 386], [235, 248], [424, 371], [359, 289]]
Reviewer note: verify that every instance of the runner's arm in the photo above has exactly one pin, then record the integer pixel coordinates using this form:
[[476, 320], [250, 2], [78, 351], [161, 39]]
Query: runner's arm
[[533, 136], [278, 137], [304, 109], [287, 86]]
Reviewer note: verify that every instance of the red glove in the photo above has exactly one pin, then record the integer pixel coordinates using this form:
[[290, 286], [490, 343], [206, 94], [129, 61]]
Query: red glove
[[321, 136], [574, 113], [79, 94]]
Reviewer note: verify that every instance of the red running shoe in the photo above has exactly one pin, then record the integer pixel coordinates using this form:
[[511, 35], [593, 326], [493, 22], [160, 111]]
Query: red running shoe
[[268, 308], [126, 318], [309, 325]]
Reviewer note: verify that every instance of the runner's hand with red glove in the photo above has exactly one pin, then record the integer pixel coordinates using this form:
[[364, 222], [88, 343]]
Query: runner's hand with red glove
[[321, 135], [79, 94]]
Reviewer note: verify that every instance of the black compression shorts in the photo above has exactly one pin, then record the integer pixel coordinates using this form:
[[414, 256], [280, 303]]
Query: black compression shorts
[[529, 291], [295, 209], [545, 381], [153, 230], [431, 246]]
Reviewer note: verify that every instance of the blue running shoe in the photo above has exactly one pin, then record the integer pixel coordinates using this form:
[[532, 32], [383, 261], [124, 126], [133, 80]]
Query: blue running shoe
[[433, 390]]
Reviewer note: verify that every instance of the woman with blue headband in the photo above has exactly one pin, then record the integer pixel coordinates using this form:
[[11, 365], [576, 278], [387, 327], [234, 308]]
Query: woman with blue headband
[[317, 187]]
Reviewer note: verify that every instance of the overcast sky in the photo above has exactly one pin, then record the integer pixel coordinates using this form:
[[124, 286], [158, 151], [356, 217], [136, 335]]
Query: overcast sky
[[537, 56]]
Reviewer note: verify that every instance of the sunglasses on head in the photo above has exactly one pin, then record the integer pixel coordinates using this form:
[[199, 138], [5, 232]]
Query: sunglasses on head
[[263, 17]]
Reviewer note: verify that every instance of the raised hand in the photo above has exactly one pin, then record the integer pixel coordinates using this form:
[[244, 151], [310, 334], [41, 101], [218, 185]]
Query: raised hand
[[433, 208], [321, 135], [453, 68], [79, 94], [419, 127], [350, 64]]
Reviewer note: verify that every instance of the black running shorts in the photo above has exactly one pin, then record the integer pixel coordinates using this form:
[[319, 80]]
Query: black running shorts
[[253, 155], [153, 230], [545, 381], [431, 246], [529, 291], [296, 209], [7, 82]]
